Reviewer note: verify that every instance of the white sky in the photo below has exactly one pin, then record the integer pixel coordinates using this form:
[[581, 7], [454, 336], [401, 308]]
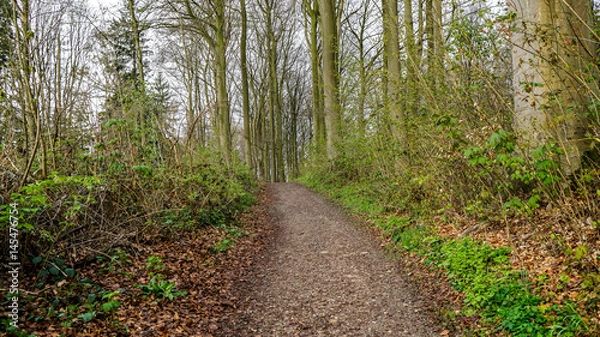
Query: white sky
[[110, 4]]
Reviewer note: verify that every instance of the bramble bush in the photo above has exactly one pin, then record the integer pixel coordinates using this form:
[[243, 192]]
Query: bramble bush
[[75, 212]]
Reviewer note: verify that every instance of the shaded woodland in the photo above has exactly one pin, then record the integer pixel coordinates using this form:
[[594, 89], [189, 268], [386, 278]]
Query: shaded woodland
[[434, 120]]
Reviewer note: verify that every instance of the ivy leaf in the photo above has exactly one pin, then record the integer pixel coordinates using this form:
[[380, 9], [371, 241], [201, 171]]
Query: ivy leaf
[[88, 316], [111, 306], [70, 272], [539, 152], [143, 170]]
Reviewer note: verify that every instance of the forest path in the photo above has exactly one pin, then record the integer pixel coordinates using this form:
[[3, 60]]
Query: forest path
[[323, 276]]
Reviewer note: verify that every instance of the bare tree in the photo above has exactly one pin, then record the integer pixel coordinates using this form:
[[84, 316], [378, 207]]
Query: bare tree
[[210, 21]]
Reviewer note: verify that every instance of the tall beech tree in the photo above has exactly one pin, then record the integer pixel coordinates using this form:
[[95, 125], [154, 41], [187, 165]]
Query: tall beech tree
[[245, 87], [311, 9], [330, 74], [551, 61], [268, 9], [393, 71], [210, 21]]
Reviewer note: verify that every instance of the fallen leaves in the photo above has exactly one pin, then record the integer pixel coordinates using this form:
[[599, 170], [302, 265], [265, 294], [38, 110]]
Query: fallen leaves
[[558, 251], [209, 279]]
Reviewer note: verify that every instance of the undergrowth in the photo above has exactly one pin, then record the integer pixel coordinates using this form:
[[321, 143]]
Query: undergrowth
[[501, 298], [62, 211], [69, 221]]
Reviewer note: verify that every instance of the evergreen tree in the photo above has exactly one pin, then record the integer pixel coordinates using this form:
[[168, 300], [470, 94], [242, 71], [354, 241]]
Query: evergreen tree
[[5, 32], [126, 96]]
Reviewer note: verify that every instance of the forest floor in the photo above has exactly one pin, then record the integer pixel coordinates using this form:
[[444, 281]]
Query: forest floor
[[122, 300], [300, 267]]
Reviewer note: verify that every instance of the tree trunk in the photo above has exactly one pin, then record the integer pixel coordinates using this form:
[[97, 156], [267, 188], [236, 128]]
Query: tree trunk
[[551, 42], [411, 59], [330, 75], [437, 46], [23, 73], [245, 90], [362, 94], [277, 164], [318, 114], [429, 36], [364, 67], [139, 58], [391, 46], [188, 74], [221, 82]]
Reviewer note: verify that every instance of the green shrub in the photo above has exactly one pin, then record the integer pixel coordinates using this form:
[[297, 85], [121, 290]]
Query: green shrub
[[161, 288]]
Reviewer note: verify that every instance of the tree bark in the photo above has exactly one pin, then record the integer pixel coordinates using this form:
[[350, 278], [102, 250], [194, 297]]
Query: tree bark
[[330, 75], [411, 59], [391, 46], [245, 90], [23, 72], [223, 121], [139, 57], [317, 107], [550, 57]]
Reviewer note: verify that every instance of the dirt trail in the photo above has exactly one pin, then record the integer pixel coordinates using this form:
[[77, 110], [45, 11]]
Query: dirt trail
[[325, 277]]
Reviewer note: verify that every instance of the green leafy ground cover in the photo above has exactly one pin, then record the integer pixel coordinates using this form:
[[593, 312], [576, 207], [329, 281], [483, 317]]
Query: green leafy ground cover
[[79, 234], [502, 299]]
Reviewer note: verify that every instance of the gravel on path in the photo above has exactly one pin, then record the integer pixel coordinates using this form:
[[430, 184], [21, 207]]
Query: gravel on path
[[323, 276]]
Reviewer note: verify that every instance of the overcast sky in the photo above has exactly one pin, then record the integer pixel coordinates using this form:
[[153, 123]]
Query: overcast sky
[[104, 3]]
